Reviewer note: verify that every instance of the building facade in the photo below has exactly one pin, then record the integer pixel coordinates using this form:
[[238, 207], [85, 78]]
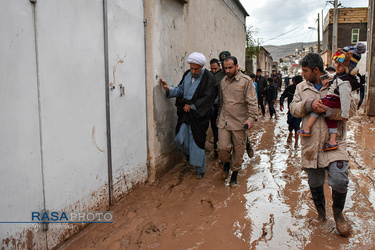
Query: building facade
[[352, 27], [264, 61]]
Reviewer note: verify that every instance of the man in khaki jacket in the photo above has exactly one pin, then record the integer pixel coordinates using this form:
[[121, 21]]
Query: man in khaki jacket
[[315, 161], [238, 108]]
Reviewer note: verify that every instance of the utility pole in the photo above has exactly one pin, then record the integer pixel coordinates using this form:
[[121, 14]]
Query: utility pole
[[322, 24], [318, 35], [334, 31]]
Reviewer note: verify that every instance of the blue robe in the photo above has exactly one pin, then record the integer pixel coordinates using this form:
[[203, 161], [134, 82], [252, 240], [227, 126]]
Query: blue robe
[[184, 138]]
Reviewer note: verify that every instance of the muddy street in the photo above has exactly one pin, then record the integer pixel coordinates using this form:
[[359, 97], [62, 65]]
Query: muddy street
[[272, 207]]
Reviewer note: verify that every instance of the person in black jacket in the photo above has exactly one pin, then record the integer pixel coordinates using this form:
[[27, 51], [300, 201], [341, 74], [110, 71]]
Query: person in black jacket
[[293, 122], [271, 96], [276, 79], [219, 74], [261, 89]]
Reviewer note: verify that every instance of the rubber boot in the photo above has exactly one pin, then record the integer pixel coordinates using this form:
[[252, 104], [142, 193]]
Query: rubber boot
[[320, 202], [233, 179], [225, 173], [342, 225]]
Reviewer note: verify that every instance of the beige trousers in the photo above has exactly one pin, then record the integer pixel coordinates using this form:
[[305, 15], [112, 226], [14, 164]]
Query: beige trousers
[[231, 147]]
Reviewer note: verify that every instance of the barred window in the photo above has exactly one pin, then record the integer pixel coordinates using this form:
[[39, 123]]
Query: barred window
[[355, 35]]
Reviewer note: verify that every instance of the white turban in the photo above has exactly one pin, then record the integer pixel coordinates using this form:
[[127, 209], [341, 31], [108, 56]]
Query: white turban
[[197, 58]]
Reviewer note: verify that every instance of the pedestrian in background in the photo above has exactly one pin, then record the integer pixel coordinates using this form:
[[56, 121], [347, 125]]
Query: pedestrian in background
[[293, 122], [271, 96], [221, 73], [215, 70], [237, 111], [253, 76], [194, 101], [275, 79], [222, 56], [280, 79], [315, 161], [214, 65], [261, 89], [286, 81]]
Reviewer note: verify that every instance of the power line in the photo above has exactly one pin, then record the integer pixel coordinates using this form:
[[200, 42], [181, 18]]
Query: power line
[[301, 34], [280, 18], [286, 32], [311, 35]]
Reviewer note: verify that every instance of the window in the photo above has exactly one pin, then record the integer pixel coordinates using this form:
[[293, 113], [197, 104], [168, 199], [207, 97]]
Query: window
[[355, 35]]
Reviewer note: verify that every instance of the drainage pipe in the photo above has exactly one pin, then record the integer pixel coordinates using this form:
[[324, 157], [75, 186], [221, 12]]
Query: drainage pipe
[[107, 101]]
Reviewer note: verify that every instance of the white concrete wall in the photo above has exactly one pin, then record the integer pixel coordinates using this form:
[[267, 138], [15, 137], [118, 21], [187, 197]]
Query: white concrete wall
[[174, 31], [21, 189], [128, 111], [71, 66], [68, 147]]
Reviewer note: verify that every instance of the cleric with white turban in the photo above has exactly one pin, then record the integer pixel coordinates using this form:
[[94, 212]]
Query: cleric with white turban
[[197, 58], [195, 96]]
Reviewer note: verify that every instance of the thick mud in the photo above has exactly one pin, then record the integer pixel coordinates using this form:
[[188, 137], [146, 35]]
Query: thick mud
[[271, 209]]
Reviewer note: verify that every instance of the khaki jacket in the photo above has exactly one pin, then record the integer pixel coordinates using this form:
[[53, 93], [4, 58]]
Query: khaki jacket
[[238, 102], [313, 155]]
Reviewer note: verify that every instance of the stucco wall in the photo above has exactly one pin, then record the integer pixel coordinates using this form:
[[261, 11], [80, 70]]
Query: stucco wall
[[174, 30]]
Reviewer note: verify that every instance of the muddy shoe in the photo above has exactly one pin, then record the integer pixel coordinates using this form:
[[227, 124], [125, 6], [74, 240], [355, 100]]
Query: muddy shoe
[[342, 225], [233, 180], [225, 172], [200, 176]]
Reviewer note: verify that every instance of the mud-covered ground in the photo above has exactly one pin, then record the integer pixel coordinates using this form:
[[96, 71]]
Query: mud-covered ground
[[271, 209]]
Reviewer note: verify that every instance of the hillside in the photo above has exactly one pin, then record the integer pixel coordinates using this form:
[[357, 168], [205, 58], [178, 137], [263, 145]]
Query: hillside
[[278, 51]]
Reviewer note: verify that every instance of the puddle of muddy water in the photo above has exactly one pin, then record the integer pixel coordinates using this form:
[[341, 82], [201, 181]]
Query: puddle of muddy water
[[278, 200], [273, 224]]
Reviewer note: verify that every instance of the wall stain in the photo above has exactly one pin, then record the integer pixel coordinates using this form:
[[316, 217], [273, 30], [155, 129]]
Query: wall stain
[[94, 140], [120, 60]]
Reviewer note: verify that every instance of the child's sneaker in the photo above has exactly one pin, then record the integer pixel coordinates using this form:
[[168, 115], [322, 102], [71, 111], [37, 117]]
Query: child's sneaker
[[328, 146], [302, 132]]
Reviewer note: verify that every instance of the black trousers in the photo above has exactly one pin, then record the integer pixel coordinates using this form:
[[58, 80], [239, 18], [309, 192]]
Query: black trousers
[[213, 124], [271, 108], [261, 103]]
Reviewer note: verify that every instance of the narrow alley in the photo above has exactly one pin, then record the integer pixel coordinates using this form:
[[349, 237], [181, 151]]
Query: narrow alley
[[272, 207]]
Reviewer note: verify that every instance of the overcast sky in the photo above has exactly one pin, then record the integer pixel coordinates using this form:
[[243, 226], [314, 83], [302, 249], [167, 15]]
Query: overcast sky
[[286, 21]]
